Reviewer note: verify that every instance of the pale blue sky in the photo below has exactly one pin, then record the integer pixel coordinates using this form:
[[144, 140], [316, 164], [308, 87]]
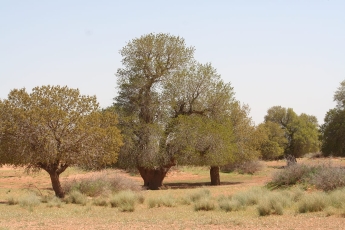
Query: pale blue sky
[[288, 53]]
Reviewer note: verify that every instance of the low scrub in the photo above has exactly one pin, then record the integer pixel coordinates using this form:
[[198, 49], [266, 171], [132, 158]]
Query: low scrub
[[101, 184], [314, 202], [323, 177], [125, 201], [29, 200], [166, 201], [247, 167], [76, 197], [204, 204]]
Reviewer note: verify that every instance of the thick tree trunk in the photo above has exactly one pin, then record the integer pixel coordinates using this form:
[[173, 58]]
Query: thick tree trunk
[[54, 177], [54, 171], [153, 178], [214, 174]]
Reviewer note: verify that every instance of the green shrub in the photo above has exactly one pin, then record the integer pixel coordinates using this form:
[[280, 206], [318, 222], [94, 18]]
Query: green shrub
[[205, 204], [314, 202], [76, 197]]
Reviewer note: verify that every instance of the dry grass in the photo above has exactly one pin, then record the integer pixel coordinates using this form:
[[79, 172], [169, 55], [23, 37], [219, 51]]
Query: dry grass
[[243, 196]]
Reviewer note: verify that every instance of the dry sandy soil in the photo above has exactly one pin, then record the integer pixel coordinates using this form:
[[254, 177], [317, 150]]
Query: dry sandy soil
[[15, 181]]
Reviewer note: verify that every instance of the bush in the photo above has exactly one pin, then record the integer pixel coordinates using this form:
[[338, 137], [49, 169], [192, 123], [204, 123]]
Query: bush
[[229, 205], [250, 197], [167, 201], [205, 204], [100, 201], [297, 173], [29, 200], [247, 167], [329, 178], [272, 203], [314, 202], [54, 202], [75, 197], [101, 184], [125, 200], [196, 195]]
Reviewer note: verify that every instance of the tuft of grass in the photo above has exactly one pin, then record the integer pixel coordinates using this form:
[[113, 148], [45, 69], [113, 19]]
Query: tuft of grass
[[167, 201], [30, 200], [250, 197], [273, 203], [204, 204], [76, 197], [100, 201], [54, 202], [196, 195], [314, 202], [125, 200]]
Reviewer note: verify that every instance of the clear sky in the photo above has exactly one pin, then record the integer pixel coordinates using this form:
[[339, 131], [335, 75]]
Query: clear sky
[[278, 52]]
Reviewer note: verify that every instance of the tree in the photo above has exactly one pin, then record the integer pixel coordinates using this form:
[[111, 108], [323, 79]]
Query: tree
[[301, 131], [272, 140], [55, 127], [162, 91], [333, 129]]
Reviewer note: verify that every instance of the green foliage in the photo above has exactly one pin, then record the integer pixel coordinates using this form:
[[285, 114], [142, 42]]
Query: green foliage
[[301, 132], [333, 133], [55, 127], [100, 201], [166, 96], [272, 140]]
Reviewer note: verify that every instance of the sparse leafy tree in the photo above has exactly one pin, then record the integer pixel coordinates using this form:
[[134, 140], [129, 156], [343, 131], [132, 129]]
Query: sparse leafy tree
[[164, 95], [55, 127]]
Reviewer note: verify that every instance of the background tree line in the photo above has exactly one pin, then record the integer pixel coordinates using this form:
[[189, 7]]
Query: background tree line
[[170, 109]]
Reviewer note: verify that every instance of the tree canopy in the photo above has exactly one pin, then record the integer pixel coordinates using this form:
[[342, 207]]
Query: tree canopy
[[55, 127], [333, 129], [301, 132], [171, 108]]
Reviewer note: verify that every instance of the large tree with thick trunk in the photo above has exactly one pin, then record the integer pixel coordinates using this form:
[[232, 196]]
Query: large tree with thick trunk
[[163, 95], [55, 127]]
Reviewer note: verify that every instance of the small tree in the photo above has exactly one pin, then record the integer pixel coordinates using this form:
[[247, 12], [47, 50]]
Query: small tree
[[301, 131], [272, 140], [55, 127], [333, 129]]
